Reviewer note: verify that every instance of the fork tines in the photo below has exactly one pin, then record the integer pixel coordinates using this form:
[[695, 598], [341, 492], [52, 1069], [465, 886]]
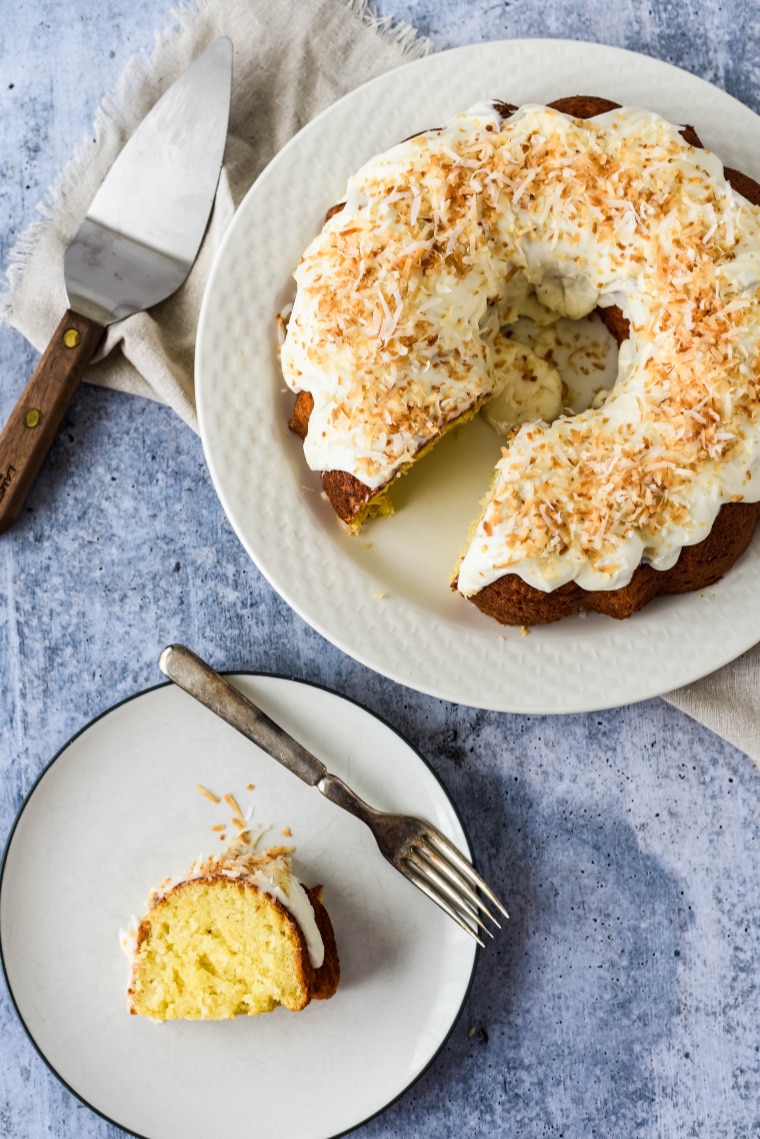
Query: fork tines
[[437, 868]]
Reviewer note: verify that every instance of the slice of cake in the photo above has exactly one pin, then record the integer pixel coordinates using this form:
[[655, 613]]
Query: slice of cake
[[238, 935]]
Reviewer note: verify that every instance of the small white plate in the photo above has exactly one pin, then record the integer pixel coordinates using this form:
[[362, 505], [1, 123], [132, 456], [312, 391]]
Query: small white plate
[[118, 810], [384, 597]]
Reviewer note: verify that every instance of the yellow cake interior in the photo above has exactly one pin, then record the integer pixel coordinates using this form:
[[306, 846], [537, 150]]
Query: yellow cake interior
[[216, 949]]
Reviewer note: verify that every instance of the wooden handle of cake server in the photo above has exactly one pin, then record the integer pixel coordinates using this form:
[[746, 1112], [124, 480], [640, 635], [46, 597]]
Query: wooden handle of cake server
[[26, 437]]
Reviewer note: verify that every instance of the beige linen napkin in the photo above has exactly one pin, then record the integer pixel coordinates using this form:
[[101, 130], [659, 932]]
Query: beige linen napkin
[[292, 59], [728, 701]]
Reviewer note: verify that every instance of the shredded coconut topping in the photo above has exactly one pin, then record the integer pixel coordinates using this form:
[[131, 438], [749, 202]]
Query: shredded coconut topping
[[448, 237]]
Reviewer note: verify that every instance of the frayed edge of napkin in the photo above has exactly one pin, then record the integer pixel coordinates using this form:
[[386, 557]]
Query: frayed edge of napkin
[[137, 72], [403, 36]]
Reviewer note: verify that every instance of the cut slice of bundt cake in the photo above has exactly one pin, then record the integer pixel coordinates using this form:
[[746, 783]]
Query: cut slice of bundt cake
[[238, 935]]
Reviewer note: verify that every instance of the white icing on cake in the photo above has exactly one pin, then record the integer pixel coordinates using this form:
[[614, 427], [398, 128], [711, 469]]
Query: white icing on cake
[[270, 873], [526, 386], [448, 237]]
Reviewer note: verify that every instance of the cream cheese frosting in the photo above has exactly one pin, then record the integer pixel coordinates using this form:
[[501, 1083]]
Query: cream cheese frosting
[[527, 387], [451, 236]]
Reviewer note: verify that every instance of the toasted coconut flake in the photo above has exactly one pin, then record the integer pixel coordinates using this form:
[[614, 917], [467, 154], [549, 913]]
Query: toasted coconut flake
[[232, 802], [208, 794]]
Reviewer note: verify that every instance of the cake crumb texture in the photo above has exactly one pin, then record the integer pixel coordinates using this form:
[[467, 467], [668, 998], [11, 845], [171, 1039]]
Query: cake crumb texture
[[214, 949]]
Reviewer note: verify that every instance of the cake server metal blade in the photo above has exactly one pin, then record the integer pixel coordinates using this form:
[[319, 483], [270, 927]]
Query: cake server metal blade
[[135, 248], [145, 225]]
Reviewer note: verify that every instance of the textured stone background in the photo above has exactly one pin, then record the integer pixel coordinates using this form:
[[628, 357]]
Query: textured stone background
[[622, 999]]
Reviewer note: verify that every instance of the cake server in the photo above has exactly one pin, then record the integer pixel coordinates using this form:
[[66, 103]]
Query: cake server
[[135, 248], [417, 849]]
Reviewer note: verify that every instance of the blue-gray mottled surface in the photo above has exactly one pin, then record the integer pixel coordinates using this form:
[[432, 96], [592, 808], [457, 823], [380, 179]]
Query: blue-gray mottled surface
[[622, 999]]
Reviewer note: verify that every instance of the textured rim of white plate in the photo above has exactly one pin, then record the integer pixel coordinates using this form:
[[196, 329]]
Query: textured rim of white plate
[[155, 688], [442, 647]]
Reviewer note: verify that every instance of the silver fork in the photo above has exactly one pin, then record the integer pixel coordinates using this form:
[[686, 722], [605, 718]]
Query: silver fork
[[418, 850]]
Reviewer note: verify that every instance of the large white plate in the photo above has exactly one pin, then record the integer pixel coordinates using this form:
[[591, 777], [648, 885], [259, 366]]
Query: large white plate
[[118, 810], [418, 632]]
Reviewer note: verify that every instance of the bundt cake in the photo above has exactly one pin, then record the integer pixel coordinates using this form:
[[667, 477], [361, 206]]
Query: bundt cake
[[238, 935], [442, 242]]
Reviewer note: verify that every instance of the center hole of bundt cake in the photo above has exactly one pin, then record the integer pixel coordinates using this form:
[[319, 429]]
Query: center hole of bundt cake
[[551, 366]]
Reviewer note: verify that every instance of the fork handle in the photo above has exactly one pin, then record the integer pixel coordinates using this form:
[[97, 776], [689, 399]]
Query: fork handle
[[198, 679]]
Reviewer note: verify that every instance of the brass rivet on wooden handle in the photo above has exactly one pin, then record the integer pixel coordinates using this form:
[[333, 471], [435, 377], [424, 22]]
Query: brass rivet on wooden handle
[[32, 417], [71, 337]]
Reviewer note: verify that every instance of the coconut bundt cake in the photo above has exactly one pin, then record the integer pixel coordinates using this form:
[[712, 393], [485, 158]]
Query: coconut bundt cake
[[237, 936], [398, 327]]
